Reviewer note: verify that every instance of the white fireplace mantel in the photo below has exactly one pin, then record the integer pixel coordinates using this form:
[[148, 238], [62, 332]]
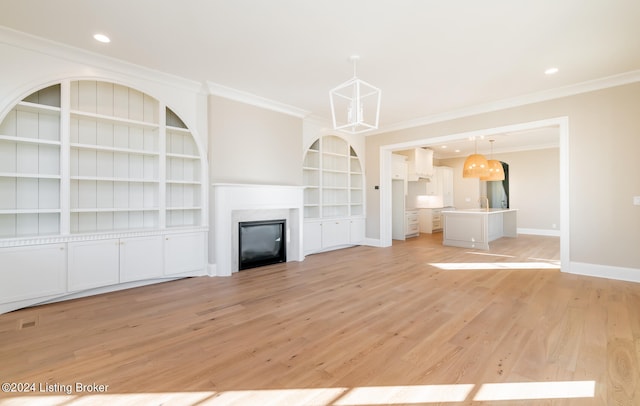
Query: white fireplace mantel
[[232, 203]]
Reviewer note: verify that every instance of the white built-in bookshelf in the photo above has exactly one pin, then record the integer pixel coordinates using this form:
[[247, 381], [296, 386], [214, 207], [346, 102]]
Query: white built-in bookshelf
[[333, 180], [101, 187], [183, 181], [30, 178], [333, 195], [109, 158]]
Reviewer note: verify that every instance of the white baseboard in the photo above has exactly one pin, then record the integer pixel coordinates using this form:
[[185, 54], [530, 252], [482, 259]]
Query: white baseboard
[[211, 269], [604, 271], [539, 231], [372, 242]]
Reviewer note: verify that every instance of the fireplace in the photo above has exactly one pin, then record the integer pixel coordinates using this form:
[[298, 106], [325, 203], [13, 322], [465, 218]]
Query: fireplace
[[261, 243], [232, 204]]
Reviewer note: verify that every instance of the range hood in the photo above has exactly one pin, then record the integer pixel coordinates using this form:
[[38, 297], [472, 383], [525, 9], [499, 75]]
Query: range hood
[[419, 163]]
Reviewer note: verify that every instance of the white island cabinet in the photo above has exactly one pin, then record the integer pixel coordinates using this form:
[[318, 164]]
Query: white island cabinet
[[476, 228]]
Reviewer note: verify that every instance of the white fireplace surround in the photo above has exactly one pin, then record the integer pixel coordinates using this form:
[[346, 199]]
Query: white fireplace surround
[[234, 203]]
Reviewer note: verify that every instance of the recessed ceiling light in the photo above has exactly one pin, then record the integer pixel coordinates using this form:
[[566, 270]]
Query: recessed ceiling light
[[102, 38], [443, 147], [551, 71]]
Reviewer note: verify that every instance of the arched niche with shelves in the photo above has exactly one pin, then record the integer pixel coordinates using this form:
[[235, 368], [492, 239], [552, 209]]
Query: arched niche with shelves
[[89, 165], [334, 195]]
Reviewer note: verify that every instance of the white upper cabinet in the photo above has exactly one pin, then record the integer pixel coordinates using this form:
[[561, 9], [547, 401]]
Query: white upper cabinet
[[419, 163], [398, 166]]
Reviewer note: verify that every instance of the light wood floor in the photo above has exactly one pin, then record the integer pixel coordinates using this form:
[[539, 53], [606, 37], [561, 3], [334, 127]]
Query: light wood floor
[[356, 326]]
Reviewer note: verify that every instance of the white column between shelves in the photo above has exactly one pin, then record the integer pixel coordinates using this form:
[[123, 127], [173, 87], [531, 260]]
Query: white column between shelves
[[65, 157], [162, 165], [320, 178]]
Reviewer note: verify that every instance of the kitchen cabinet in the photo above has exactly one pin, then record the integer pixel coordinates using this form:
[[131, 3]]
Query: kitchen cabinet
[[445, 176], [440, 184], [399, 170], [411, 224], [419, 163], [430, 220], [398, 166], [476, 228]]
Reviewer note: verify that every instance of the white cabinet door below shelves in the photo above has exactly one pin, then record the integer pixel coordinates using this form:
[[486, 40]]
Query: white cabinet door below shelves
[[312, 236], [356, 234], [184, 253], [93, 264], [141, 258], [32, 272], [335, 233]]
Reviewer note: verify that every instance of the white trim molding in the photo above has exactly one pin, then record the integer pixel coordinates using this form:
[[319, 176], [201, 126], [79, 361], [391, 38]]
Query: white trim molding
[[254, 100], [604, 271], [556, 93], [539, 231], [372, 242], [66, 52]]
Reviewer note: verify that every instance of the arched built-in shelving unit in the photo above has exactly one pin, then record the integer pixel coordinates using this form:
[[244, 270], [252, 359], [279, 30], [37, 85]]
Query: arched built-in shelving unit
[[106, 183], [334, 195]]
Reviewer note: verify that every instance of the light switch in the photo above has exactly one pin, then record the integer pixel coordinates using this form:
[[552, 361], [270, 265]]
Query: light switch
[[636, 200]]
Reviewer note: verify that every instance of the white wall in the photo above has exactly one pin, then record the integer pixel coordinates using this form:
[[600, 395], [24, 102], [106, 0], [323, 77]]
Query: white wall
[[250, 144]]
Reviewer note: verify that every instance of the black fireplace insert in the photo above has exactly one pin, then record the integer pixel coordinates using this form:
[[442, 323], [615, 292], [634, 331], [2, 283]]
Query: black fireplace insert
[[261, 243]]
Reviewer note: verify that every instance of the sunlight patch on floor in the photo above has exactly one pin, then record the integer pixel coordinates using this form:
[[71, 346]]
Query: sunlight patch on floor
[[536, 390], [358, 396], [390, 395], [489, 254]]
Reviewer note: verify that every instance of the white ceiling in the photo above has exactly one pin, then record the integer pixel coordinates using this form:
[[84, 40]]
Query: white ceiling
[[429, 57]]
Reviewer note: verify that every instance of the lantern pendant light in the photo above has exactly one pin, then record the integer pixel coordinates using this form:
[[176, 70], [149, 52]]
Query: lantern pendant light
[[476, 165], [355, 104], [496, 172]]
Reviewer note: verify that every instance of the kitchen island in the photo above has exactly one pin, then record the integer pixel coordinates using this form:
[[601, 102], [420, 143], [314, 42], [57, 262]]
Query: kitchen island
[[475, 228]]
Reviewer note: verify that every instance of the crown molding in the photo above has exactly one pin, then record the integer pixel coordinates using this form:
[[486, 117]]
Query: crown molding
[[556, 93], [98, 61], [254, 100]]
